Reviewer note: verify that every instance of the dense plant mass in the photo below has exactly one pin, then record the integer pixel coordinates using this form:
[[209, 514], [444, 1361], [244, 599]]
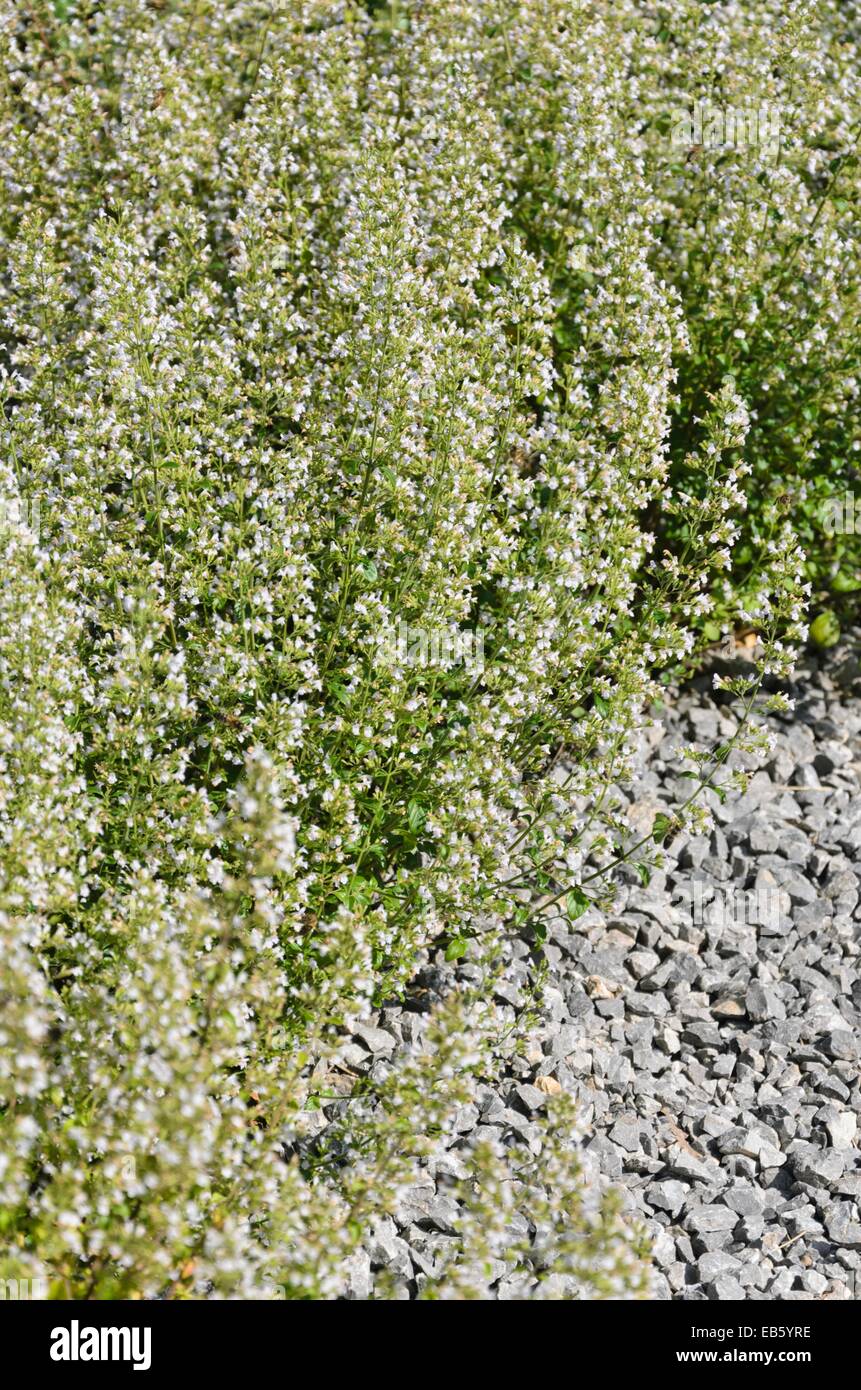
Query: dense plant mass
[[388, 401]]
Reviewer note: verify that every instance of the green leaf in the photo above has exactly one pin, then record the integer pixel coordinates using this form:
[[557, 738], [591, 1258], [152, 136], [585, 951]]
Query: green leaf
[[660, 828], [455, 949], [645, 874], [825, 631], [576, 903]]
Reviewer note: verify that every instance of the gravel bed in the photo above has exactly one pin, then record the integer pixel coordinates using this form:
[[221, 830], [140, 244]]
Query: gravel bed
[[709, 1027]]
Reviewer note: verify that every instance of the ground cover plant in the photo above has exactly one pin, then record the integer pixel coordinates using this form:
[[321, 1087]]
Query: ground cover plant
[[389, 401]]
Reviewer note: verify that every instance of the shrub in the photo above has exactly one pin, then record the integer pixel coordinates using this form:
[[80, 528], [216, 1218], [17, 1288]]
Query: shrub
[[384, 459], [759, 237]]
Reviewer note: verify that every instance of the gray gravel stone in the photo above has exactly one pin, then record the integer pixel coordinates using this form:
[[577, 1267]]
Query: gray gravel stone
[[842, 1129], [840, 1044], [725, 1289], [667, 1196], [817, 1167], [711, 1218], [376, 1040], [627, 1134], [843, 1225], [716, 1263], [744, 1199]]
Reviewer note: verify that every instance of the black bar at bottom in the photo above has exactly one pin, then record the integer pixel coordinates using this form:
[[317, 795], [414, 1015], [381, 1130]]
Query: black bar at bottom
[[267, 1340]]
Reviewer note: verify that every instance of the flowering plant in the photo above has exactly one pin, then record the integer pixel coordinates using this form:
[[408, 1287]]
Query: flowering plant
[[325, 323]]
